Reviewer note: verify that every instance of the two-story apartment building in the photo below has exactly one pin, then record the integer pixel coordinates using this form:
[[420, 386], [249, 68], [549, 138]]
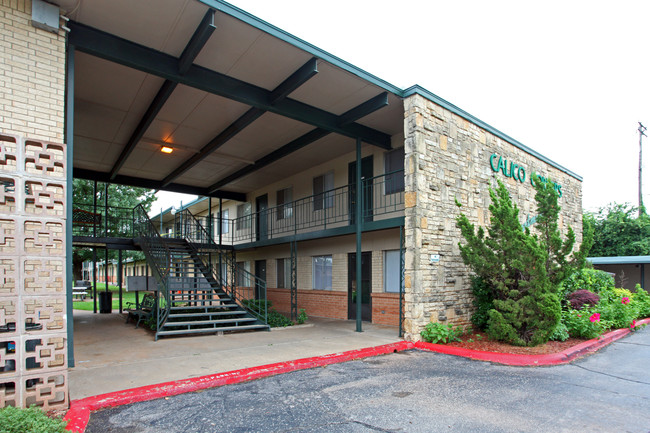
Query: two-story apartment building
[[315, 163]]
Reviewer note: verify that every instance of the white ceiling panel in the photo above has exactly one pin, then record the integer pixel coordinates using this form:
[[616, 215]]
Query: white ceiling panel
[[107, 83], [228, 43], [180, 104], [97, 121], [141, 102], [330, 87], [277, 58], [214, 114], [148, 23]]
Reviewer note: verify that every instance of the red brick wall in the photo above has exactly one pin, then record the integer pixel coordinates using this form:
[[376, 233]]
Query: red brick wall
[[318, 303], [385, 308], [334, 305]]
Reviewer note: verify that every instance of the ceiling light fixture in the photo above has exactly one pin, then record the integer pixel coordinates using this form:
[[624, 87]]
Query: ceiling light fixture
[[166, 149]]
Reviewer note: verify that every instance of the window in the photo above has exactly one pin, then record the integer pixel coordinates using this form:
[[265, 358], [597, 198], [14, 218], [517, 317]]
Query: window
[[322, 272], [283, 268], [284, 202], [243, 274], [391, 271], [394, 161], [323, 194], [244, 216], [224, 221]]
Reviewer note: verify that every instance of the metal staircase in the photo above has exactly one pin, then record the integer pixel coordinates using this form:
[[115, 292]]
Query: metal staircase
[[194, 296]]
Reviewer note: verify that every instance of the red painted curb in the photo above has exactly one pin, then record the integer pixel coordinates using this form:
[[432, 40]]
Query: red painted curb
[[79, 413], [563, 357]]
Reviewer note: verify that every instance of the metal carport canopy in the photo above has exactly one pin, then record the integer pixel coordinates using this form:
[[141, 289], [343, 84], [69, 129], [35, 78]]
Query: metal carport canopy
[[242, 103]]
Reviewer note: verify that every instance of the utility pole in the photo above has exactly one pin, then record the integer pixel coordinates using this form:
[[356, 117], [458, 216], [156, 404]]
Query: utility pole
[[641, 130]]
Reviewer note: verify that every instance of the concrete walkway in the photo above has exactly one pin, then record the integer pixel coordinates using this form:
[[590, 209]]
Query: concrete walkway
[[112, 356]]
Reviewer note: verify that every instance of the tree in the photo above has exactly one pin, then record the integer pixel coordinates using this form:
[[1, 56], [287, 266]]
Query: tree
[[520, 271], [121, 199], [561, 261], [620, 231]]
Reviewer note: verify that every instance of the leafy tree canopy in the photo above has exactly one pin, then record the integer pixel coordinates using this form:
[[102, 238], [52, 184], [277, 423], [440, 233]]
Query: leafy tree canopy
[[620, 231], [121, 200]]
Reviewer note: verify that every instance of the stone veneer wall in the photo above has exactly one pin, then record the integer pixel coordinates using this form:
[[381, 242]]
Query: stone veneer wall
[[448, 158], [33, 337]]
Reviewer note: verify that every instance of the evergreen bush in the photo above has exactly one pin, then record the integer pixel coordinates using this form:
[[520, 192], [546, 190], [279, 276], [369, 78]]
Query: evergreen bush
[[482, 302], [522, 272]]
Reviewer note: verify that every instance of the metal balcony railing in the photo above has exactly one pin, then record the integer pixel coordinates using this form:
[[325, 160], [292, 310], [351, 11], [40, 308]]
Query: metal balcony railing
[[382, 198]]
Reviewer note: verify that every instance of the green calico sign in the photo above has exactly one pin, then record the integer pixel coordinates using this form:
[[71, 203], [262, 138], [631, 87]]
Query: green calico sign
[[517, 171]]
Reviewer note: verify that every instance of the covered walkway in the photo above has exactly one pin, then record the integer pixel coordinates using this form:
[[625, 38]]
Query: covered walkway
[[112, 356]]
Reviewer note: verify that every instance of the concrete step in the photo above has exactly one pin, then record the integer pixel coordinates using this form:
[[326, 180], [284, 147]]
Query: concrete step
[[191, 323], [213, 330]]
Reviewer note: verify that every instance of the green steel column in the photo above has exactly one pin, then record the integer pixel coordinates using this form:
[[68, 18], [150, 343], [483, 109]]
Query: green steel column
[[119, 275], [69, 135], [223, 279], [643, 276], [95, 209], [359, 221], [106, 235], [94, 279], [401, 281], [210, 235]]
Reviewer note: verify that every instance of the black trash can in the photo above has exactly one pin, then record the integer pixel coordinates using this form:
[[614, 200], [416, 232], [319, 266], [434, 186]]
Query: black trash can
[[105, 302]]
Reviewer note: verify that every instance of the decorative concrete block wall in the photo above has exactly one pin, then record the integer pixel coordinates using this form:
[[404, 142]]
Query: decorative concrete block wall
[[33, 352], [448, 158], [33, 337]]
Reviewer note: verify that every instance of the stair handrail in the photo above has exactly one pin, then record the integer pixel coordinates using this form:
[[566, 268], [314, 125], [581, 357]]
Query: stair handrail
[[259, 306], [158, 256]]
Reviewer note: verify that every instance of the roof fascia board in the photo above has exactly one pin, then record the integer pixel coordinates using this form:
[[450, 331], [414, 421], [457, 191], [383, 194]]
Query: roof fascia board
[[115, 49], [416, 89], [619, 260]]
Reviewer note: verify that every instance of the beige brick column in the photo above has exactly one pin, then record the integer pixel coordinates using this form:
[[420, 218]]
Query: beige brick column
[[33, 346]]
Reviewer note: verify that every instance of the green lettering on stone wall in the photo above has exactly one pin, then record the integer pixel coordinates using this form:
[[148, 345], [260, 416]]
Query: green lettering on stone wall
[[517, 172]]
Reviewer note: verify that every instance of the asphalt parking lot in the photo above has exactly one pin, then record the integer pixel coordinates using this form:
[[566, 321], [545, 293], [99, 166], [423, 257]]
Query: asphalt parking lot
[[415, 391]]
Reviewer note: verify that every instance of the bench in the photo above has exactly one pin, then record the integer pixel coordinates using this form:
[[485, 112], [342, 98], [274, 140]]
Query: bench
[[80, 292], [145, 310]]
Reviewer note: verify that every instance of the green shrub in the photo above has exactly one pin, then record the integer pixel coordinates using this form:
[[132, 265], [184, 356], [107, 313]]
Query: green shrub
[[302, 316], [586, 279], [278, 320], [585, 323], [642, 301], [617, 308], [482, 302], [561, 333], [32, 420], [438, 332]]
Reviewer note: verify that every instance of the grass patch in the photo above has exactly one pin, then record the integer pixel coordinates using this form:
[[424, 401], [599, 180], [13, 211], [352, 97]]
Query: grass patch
[[87, 305]]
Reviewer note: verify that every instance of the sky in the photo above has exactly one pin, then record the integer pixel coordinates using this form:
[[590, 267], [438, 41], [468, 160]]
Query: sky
[[567, 78]]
